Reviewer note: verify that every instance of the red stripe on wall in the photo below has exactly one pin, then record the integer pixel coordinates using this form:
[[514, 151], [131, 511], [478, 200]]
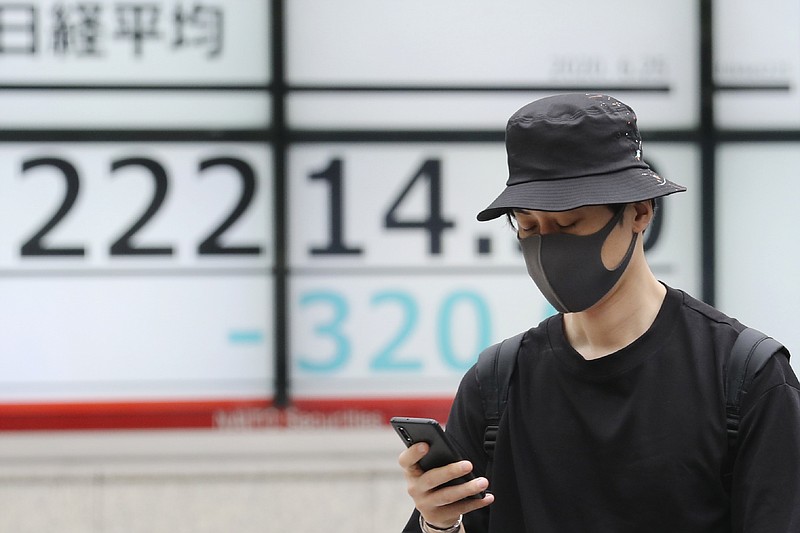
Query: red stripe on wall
[[119, 415], [221, 414]]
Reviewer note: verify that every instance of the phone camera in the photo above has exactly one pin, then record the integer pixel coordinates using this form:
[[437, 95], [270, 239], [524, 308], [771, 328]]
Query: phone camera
[[404, 433]]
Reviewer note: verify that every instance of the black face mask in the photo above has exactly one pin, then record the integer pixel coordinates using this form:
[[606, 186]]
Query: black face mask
[[569, 270]]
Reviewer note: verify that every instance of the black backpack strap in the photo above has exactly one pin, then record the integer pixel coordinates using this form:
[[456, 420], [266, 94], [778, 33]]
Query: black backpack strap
[[749, 354], [495, 366]]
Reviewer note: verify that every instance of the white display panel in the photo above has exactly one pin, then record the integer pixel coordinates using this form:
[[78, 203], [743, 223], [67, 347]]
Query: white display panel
[[128, 338], [126, 65], [134, 110], [383, 311], [386, 263], [649, 59], [136, 271], [159, 42], [757, 64], [757, 219]]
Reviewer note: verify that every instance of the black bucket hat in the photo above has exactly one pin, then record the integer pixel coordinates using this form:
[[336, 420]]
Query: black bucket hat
[[573, 150]]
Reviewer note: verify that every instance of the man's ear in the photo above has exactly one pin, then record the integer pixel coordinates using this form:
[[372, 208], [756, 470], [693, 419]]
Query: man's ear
[[644, 215]]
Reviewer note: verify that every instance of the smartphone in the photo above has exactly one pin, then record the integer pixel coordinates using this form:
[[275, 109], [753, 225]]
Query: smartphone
[[442, 451]]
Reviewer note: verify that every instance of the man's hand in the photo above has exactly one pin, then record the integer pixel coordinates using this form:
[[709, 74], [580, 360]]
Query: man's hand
[[441, 507]]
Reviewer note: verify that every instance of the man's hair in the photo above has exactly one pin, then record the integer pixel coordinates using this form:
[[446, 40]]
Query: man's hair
[[615, 208]]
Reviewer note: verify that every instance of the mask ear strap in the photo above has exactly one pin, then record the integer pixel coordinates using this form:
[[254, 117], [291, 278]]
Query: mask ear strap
[[627, 257], [606, 230]]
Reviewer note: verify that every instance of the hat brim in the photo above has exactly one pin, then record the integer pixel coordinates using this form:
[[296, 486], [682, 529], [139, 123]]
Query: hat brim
[[626, 186]]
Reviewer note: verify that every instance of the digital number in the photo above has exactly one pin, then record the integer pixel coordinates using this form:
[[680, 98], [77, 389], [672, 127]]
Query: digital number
[[33, 246], [331, 329], [628, 68], [389, 357], [428, 174], [483, 319], [336, 246], [123, 245], [435, 224], [577, 66], [649, 67], [211, 245]]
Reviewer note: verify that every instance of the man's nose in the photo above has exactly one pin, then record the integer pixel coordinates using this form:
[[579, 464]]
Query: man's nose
[[546, 227]]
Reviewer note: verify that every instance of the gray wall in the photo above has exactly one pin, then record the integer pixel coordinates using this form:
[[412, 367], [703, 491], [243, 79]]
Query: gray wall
[[169, 481]]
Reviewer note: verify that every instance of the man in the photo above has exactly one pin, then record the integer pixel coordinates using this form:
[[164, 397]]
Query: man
[[615, 419]]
